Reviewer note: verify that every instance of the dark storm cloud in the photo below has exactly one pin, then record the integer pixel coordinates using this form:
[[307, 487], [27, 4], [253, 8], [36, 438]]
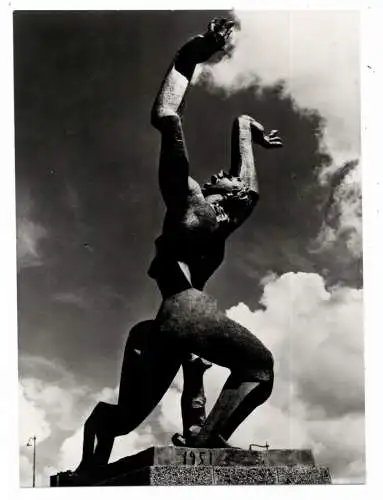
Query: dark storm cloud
[[85, 151]]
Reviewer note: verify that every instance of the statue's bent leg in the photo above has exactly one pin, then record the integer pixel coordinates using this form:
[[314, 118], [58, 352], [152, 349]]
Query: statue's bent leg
[[192, 319], [149, 366]]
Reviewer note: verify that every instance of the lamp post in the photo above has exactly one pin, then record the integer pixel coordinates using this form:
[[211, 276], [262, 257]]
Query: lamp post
[[34, 458]]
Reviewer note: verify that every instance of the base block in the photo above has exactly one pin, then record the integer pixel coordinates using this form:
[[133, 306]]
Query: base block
[[169, 465], [184, 475]]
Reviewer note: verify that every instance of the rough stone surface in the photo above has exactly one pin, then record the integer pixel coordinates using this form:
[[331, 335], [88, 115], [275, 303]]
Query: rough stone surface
[[169, 465], [303, 475], [187, 475], [244, 475], [164, 475]]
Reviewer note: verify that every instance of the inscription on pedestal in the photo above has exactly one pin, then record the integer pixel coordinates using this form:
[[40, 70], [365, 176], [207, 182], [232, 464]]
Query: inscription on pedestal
[[197, 457]]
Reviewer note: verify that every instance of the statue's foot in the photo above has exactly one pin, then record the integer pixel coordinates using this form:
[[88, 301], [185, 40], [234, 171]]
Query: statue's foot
[[216, 441], [184, 440], [82, 470], [178, 439]]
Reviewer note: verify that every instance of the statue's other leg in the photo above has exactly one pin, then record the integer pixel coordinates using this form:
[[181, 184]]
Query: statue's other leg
[[149, 366], [260, 393], [98, 437], [192, 318], [193, 398], [241, 394], [89, 442]]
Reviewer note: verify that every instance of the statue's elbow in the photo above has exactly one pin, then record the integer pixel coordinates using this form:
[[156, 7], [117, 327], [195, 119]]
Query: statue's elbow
[[160, 116]]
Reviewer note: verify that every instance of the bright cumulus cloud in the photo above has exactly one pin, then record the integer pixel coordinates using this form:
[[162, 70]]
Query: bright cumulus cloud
[[316, 336]]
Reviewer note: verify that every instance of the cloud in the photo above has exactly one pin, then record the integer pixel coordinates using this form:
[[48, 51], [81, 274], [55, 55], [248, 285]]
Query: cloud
[[319, 73], [59, 403], [29, 233], [87, 298], [77, 298], [343, 222], [33, 418], [316, 336]]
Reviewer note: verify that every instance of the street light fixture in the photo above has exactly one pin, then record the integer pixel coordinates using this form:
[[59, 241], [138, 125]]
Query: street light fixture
[[34, 458]]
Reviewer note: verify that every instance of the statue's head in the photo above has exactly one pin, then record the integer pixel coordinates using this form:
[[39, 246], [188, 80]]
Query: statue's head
[[224, 184], [229, 195]]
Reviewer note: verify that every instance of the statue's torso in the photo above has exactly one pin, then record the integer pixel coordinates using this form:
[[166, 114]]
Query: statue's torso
[[195, 238]]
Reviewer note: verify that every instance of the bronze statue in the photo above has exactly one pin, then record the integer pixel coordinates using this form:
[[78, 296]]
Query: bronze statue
[[198, 221]]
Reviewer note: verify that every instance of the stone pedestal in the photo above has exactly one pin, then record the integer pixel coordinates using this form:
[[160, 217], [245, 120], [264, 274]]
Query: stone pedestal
[[168, 466]]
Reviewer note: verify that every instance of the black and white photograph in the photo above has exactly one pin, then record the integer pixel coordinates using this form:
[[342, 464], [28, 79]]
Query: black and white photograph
[[188, 195]]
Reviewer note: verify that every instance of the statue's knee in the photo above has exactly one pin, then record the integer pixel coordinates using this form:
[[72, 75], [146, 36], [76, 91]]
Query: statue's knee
[[102, 419], [268, 368], [96, 416], [261, 368], [99, 409], [138, 337], [269, 360]]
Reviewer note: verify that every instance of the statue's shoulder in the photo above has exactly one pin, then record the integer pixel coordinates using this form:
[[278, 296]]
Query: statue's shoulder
[[194, 188]]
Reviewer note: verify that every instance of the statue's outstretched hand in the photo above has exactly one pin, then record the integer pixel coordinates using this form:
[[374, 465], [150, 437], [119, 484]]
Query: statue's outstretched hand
[[271, 140], [266, 140], [215, 39]]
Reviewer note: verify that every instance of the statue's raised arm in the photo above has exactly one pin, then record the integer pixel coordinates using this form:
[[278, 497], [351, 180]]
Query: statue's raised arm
[[175, 183]]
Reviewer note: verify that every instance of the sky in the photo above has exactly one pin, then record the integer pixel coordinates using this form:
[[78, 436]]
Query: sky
[[88, 210]]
